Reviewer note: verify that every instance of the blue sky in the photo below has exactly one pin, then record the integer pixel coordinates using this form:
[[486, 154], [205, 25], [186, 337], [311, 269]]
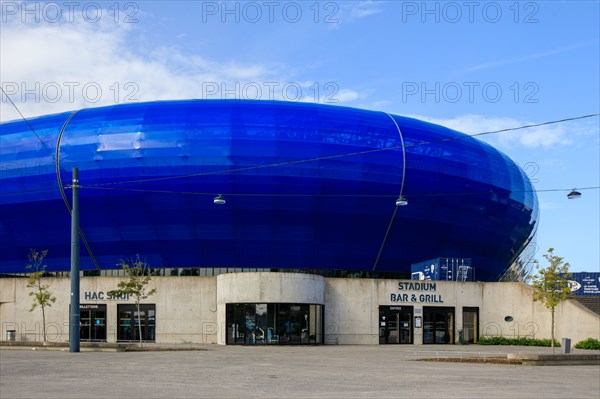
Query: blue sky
[[473, 66]]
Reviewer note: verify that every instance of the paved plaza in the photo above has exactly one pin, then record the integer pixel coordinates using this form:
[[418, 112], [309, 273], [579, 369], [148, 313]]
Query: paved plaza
[[288, 372]]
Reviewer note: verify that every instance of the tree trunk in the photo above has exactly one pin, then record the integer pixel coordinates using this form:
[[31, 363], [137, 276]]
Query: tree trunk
[[552, 328], [43, 310], [43, 322], [139, 322]]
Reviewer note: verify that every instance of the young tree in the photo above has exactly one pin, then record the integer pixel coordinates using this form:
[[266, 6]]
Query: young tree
[[137, 285], [42, 296], [551, 284]]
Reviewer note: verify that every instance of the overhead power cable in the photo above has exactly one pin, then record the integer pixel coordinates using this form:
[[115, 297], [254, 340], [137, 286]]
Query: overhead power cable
[[279, 164], [349, 154], [140, 190], [28, 124], [57, 164]]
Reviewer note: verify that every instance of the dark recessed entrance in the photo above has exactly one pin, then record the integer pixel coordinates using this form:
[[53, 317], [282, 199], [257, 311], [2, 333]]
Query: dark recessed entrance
[[93, 322], [395, 325], [470, 325], [438, 325]]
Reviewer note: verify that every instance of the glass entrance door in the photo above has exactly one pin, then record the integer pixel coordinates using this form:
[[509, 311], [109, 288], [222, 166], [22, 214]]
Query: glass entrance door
[[470, 325], [395, 325], [93, 322], [438, 325]]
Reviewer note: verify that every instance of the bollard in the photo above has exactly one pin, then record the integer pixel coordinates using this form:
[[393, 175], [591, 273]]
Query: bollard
[[566, 345]]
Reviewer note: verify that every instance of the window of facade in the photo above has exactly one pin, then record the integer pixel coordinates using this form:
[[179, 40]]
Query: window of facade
[[129, 329], [274, 323], [438, 325]]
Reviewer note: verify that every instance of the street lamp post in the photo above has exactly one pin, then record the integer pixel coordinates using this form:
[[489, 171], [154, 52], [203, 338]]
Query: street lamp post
[[74, 308]]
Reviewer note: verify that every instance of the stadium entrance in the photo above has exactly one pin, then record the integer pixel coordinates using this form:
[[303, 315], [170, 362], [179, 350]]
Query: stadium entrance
[[438, 325], [93, 322], [395, 325]]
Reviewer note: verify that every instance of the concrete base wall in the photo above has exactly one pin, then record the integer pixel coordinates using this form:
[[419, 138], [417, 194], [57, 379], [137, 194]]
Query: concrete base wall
[[192, 309], [529, 318], [185, 308]]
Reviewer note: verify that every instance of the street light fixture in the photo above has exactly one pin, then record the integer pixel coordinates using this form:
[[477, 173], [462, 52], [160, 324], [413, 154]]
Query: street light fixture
[[574, 194], [401, 201], [219, 200]]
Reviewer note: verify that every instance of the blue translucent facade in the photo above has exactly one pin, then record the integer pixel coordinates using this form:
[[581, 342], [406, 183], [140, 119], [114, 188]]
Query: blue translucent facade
[[307, 186]]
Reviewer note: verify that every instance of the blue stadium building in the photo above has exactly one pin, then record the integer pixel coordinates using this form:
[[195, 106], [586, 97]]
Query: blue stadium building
[[304, 186]]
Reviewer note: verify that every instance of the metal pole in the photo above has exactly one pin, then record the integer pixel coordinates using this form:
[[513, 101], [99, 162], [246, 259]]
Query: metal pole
[[74, 308]]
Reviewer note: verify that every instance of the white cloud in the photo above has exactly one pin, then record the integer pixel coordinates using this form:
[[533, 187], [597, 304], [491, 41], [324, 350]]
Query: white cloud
[[364, 9], [50, 68], [346, 95], [351, 11], [548, 205], [542, 136], [515, 60], [551, 162]]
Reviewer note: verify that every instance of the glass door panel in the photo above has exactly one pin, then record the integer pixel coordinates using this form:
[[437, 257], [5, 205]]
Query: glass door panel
[[125, 326], [428, 328], [405, 323], [438, 325], [84, 331], [470, 325], [395, 324], [129, 325]]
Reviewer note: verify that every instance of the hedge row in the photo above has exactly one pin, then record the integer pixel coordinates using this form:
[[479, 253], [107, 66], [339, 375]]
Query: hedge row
[[522, 341], [590, 343]]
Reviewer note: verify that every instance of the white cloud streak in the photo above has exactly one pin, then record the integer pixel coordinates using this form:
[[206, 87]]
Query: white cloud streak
[[548, 136], [515, 60], [50, 68], [365, 9]]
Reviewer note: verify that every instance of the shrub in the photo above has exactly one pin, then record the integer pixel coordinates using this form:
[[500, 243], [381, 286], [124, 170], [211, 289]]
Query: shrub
[[521, 341], [590, 343]]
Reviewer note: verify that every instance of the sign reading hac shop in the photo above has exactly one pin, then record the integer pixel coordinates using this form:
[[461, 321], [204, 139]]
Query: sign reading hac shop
[[101, 296], [408, 293]]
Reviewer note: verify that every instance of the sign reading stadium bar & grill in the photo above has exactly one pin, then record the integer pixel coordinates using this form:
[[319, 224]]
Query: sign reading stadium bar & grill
[[413, 292]]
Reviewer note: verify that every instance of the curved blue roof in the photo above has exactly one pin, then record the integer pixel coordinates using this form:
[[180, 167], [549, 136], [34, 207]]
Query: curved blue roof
[[307, 186]]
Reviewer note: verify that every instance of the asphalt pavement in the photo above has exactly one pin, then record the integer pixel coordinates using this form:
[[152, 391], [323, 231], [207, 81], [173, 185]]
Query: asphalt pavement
[[386, 371]]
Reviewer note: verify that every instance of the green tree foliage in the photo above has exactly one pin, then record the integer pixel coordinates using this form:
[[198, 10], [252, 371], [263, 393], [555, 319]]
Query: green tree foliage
[[551, 284], [136, 286], [42, 296]]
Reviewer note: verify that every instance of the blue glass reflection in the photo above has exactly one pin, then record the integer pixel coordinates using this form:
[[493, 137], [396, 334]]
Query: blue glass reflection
[[466, 199]]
